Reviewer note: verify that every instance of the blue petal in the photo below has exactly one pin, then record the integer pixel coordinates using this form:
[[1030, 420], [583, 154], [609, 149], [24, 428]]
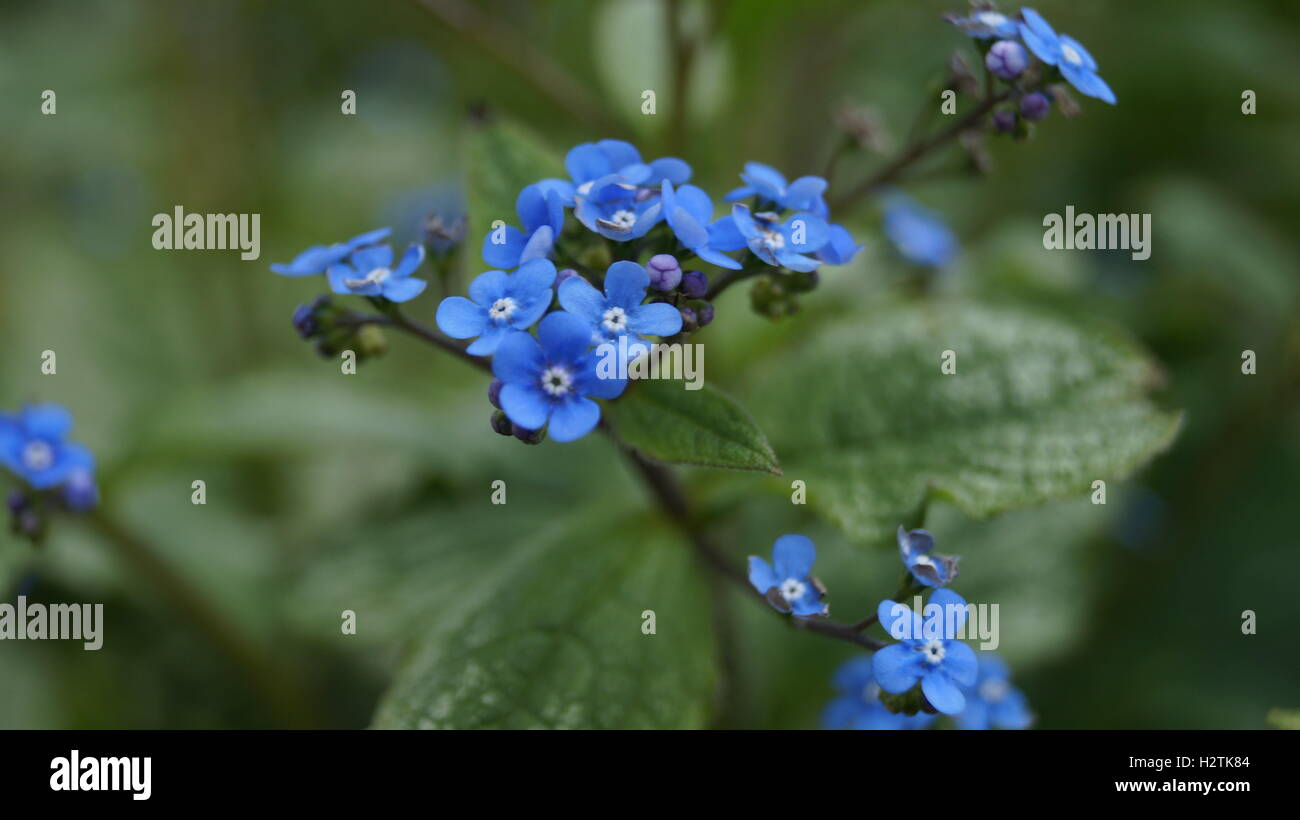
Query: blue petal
[[896, 667], [1046, 49], [372, 257], [586, 162], [767, 181], [1088, 83], [403, 290], [487, 342], [410, 261], [761, 575], [533, 279], [367, 238], [737, 194], [854, 675], [524, 404], [573, 419], [1037, 24], [718, 258], [803, 192], [787, 258], [518, 359], [489, 286], [1088, 62], [625, 284], [841, 712], [816, 233], [959, 662], [948, 618], [744, 223], [899, 621], [916, 542], [564, 337], [590, 383], [538, 245], [531, 207], [942, 693], [655, 319], [460, 318], [47, 421], [619, 153], [696, 202], [580, 298], [670, 169], [506, 254], [724, 235], [793, 556]]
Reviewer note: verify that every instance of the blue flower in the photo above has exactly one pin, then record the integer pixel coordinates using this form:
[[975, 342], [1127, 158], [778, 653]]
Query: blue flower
[[32, 445], [591, 161], [927, 651], [80, 492], [498, 304], [689, 212], [840, 248], [1064, 52], [776, 242], [618, 311], [547, 380], [993, 703], [318, 258], [920, 235], [618, 210], [929, 570], [985, 25], [541, 211], [768, 184], [370, 273], [859, 706], [786, 582]]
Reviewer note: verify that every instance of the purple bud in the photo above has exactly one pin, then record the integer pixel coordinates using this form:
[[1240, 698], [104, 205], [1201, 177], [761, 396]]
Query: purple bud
[[528, 436], [705, 314], [501, 425], [564, 276], [665, 273], [695, 284], [80, 492], [494, 392], [1006, 59], [17, 501], [1034, 107], [304, 321], [1004, 121], [690, 321]]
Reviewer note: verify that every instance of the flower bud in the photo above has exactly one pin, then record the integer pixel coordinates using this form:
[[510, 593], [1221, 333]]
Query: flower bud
[[17, 502], [695, 284], [1006, 59], [304, 321], [705, 314], [494, 392], [529, 436], [564, 276], [501, 425], [690, 321], [665, 273], [1004, 121], [1034, 107], [80, 492]]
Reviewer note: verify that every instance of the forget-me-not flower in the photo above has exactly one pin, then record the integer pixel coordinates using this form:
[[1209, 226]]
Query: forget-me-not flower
[[920, 235], [1066, 53], [783, 243], [689, 211], [618, 210], [318, 258], [787, 582], [541, 211], [548, 381], [591, 161], [927, 651], [858, 705], [33, 446], [769, 184], [929, 570], [985, 24], [498, 304], [618, 311], [993, 703], [370, 272]]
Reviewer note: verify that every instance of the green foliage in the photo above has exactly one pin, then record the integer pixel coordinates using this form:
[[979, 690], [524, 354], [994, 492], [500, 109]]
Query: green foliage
[[501, 158], [1038, 408], [703, 427]]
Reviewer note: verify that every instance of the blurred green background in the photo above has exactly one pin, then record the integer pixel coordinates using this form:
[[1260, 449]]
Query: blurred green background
[[370, 492]]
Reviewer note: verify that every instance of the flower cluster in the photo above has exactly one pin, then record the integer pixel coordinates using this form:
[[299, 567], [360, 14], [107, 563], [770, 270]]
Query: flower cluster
[[34, 446]]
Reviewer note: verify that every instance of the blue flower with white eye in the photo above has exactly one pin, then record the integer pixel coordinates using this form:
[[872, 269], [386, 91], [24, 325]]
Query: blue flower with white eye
[[618, 311], [498, 304], [985, 24], [592, 161], [689, 211], [787, 583], [1066, 53], [927, 651], [370, 272], [33, 445], [769, 185], [929, 570], [548, 381], [541, 211], [618, 210], [858, 705], [781, 243], [993, 703], [920, 235], [318, 258]]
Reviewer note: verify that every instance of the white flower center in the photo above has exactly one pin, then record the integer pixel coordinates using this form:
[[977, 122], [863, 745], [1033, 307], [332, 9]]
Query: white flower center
[[993, 690], [773, 239], [376, 277], [623, 218], [923, 560], [615, 320], [38, 455], [991, 18], [585, 187], [934, 651], [1070, 54], [557, 381], [793, 589], [502, 309]]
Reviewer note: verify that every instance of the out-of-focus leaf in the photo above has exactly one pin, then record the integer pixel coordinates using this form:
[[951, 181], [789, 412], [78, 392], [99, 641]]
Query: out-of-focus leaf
[[1038, 409], [703, 427], [502, 159]]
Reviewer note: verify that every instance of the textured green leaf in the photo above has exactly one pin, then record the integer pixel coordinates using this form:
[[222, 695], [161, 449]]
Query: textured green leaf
[[1037, 410], [503, 158], [553, 638], [705, 427]]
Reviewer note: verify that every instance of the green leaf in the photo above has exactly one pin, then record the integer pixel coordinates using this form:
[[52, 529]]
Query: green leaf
[[1037, 410], [503, 158], [664, 420], [553, 638]]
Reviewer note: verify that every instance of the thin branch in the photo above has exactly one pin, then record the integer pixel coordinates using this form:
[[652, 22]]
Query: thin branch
[[396, 319]]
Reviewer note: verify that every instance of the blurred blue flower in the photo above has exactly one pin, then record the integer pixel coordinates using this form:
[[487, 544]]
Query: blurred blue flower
[[768, 184], [541, 211], [859, 706], [920, 235], [985, 24], [1066, 53], [369, 272], [33, 446], [929, 570], [787, 583], [840, 248], [993, 703], [776, 242], [591, 161], [80, 492], [689, 211], [618, 311], [927, 652], [547, 380], [498, 304], [318, 258]]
